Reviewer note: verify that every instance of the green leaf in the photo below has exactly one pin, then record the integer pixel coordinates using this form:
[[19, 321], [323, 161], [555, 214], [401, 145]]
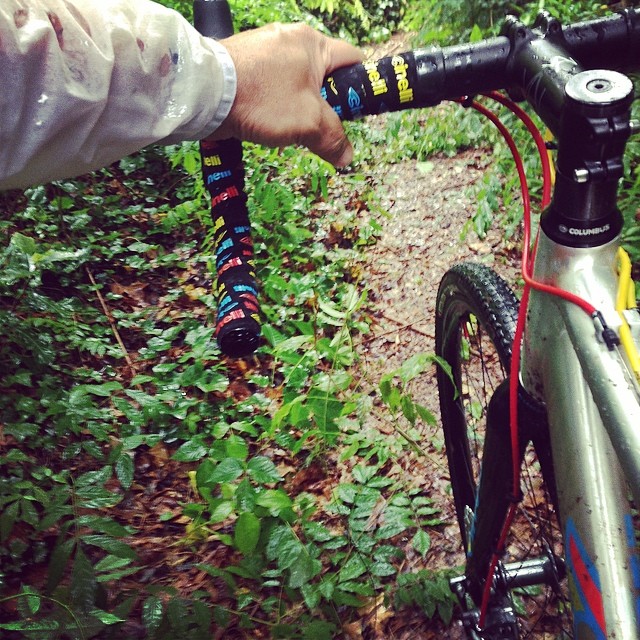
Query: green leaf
[[32, 599], [421, 542], [104, 390], [110, 563], [125, 470], [363, 474], [58, 563], [116, 575], [317, 532], [25, 625], [190, 451], [408, 408], [385, 387], [391, 529], [221, 510], [83, 582], [247, 532], [382, 569], [263, 470], [354, 567], [23, 243], [311, 594], [105, 617], [104, 525], [93, 478], [425, 415], [425, 167], [476, 34], [111, 545], [227, 471], [152, 611], [415, 366], [237, 447], [302, 570], [275, 500], [319, 630], [8, 519], [96, 498]]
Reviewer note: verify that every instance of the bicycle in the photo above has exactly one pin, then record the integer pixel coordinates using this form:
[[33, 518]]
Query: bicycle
[[575, 392]]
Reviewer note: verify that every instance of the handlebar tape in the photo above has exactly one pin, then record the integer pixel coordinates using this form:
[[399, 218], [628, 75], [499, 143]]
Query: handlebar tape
[[388, 84], [238, 317], [419, 78]]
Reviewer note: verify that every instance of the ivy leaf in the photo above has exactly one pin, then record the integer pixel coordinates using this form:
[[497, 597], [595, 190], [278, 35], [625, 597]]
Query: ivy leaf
[[263, 470]]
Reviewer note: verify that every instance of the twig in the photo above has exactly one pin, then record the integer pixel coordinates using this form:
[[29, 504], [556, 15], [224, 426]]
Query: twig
[[112, 322], [401, 327]]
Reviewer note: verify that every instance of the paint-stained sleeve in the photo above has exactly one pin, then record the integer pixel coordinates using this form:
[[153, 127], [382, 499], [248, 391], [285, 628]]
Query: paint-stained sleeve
[[86, 82]]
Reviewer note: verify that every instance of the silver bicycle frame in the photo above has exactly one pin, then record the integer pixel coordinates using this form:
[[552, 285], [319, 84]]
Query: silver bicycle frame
[[594, 416]]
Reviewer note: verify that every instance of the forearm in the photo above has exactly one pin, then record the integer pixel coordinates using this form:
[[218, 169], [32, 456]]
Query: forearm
[[85, 83]]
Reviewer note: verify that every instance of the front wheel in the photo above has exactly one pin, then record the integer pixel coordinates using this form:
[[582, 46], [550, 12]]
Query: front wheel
[[476, 316]]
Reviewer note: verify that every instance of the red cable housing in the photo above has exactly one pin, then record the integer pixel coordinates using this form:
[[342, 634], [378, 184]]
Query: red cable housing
[[528, 255]]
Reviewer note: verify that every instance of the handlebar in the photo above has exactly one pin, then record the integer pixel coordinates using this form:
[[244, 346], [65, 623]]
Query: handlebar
[[566, 73], [531, 63], [237, 321]]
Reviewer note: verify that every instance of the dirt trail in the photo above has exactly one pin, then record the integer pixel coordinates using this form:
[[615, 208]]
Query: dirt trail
[[419, 241]]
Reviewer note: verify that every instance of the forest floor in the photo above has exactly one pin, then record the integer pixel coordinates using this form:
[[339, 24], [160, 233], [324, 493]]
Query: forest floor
[[422, 237]]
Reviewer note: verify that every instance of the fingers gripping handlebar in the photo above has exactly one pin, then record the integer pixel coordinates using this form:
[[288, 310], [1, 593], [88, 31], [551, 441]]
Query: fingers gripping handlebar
[[237, 322]]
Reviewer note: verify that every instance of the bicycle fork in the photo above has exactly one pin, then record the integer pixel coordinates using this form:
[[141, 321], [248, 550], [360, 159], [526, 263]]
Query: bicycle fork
[[497, 479]]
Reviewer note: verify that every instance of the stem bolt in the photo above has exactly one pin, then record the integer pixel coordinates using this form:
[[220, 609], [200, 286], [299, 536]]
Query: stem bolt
[[581, 175]]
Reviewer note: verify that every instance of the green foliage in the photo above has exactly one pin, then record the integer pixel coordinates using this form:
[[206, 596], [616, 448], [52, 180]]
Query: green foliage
[[114, 256], [109, 361]]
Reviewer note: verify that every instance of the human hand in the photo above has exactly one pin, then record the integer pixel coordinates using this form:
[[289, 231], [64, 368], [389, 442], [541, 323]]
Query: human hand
[[280, 69]]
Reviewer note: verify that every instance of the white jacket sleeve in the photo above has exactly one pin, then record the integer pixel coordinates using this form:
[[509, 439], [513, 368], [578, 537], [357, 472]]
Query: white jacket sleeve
[[86, 82]]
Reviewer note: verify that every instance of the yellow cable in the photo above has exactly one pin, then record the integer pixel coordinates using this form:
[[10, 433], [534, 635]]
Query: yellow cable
[[548, 137], [626, 299]]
